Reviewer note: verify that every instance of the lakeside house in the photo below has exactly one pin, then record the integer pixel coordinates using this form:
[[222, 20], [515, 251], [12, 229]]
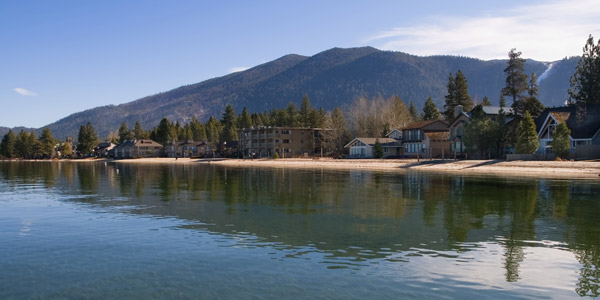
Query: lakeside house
[[427, 139], [187, 148], [285, 141], [456, 127], [103, 149], [362, 147], [138, 148], [584, 122]]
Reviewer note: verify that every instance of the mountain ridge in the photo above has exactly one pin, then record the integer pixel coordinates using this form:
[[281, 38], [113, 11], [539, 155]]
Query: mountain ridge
[[334, 77]]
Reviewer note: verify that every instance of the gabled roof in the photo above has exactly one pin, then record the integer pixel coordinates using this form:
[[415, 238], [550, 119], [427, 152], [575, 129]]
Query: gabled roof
[[385, 142], [568, 114], [425, 125]]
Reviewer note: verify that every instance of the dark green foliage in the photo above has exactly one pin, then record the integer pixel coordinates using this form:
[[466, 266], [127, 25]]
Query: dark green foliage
[[516, 80], [198, 130], [291, 115], [138, 132], [502, 132], [124, 133], [527, 140], [244, 119], [162, 133], [27, 145], [502, 101], [229, 122], [430, 111], [486, 101], [47, 143], [561, 142], [457, 94], [7, 147], [585, 83], [213, 130], [87, 139], [377, 149], [413, 111], [481, 133]]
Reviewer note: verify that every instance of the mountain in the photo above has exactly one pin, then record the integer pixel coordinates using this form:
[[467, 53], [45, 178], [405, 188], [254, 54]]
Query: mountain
[[331, 78]]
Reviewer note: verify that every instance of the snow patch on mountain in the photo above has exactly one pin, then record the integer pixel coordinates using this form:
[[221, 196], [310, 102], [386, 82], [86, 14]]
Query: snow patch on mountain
[[549, 65]]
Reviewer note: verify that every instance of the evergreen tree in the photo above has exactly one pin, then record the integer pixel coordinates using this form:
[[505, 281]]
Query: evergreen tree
[[480, 133], [124, 133], [162, 133], [430, 111], [462, 91], [7, 147], [138, 132], [306, 113], [47, 143], [23, 147], [229, 122], [502, 132], [377, 149], [213, 130], [486, 101], [450, 99], [531, 103], [502, 101], [516, 80], [291, 115], [527, 140], [412, 110], [244, 119], [458, 94], [198, 130], [561, 144], [585, 83], [87, 139]]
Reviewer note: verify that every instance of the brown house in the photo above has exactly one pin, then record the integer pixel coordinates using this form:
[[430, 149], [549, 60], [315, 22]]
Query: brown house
[[285, 141], [138, 148], [426, 139]]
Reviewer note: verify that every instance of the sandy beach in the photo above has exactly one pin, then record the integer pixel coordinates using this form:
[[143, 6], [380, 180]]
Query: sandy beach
[[546, 169]]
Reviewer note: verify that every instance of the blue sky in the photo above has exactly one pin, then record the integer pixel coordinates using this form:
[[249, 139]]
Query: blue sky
[[60, 57]]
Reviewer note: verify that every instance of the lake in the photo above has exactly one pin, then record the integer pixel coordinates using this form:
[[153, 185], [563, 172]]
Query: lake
[[74, 230]]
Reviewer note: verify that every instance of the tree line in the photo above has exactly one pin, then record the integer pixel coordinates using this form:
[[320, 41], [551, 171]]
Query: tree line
[[373, 117]]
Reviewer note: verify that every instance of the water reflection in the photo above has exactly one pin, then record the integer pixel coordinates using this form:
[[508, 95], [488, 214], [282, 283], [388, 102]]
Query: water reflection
[[354, 217]]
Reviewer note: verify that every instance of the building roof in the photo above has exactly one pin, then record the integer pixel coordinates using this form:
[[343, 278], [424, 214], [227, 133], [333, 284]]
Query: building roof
[[385, 142], [494, 110], [584, 130], [424, 124], [138, 143]]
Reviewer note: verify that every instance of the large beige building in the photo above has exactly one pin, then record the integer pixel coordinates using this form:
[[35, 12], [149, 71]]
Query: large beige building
[[285, 141]]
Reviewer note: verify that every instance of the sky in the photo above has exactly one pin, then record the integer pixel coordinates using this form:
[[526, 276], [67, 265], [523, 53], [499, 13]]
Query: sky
[[61, 57]]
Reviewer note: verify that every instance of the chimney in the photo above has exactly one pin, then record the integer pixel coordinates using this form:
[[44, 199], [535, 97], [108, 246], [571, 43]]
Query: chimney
[[458, 110], [580, 112]]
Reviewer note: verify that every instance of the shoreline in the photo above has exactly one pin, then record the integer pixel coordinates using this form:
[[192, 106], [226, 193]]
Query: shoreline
[[542, 169]]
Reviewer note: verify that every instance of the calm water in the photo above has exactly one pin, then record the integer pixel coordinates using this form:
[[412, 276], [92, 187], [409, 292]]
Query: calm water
[[107, 231]]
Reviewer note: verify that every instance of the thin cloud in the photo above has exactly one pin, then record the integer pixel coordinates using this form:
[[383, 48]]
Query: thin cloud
[[24, 92], [237, 69], [545, 32]]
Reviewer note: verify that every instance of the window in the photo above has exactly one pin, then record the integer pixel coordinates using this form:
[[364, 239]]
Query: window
[[286, 141]]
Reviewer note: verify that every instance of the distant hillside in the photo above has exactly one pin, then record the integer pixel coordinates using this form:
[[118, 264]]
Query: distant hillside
[[331, 78]]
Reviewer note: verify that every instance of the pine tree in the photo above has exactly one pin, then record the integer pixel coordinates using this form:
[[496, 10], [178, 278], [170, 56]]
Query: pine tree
[[138, 132], [531, 103], [198, 130], [7, 147], [585, 83], [86, 139], [213, 130], [527, 140], [124, 133], [561, 143], [244, 119], [502, 101], [306, 113], [462, 91], [377, 149], [450, 97], [412, 110], [162, 133], [67, 149], [430, 111], [47, 143], [229, 122], [516, 80], [291, 115], [486, 101]]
